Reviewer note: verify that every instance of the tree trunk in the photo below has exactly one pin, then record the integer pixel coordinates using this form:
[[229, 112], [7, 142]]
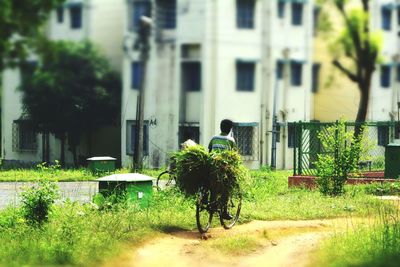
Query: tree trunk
[[364, 87]]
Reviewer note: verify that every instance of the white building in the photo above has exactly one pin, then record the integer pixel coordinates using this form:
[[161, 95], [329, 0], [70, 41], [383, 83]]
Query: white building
[[240, 59], [100, 21], [386, 81]]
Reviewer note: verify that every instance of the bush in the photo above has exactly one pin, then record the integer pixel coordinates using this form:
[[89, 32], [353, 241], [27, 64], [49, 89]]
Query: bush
[[37, 202], [342, 152]]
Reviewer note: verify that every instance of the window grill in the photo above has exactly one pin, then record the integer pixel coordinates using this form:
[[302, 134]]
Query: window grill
[[23, 137], [246, 137]]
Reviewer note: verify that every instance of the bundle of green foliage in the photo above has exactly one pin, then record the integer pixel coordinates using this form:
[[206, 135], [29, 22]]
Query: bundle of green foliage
[[195, 167], [226, 172], [192, 169]]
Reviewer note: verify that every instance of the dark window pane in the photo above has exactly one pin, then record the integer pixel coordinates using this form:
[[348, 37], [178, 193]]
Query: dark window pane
[[385, 76], [296, 73], [166, 14], [315, 77], [191, 76], [60, 14], [386, 18], [297, 13], [278, 133], [398, 73], [76, 17], [281, 9], [291, 136], [383, 135], [245, 76], [140, 8], [279, 69], [245, 14], [189, 132], [136, 75]]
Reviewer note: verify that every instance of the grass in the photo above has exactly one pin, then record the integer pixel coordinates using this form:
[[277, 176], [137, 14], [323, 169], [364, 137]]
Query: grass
[[376, 245], [236, 245], [79, 234], [59, 175]]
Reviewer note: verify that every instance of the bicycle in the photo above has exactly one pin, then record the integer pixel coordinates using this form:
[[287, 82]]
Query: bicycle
[[206, 207], [167, 176]]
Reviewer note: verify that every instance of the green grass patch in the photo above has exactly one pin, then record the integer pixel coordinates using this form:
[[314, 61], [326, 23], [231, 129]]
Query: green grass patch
[[59, 175], [235, 245], [369, 245], [79, 234]]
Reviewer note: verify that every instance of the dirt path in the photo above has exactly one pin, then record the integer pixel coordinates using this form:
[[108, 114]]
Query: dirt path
[[282, 243]]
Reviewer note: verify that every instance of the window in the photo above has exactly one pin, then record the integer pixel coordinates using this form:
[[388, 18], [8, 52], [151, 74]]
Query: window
[[398, 73], [166, 14], [296, 70], [278, 133], [76, 16], [281, 9], [131, 135], [316, 14], [279, 69], [315, 77], [23, 137], [136, 74], [385, 76], [244, 137], [397, 131], [297, 13], [383, 135], [245, 76], [189, 132], [60, 14], [398, 15], [291, 136], [191, 76], [245, 14], [386, 18], [140, 8]]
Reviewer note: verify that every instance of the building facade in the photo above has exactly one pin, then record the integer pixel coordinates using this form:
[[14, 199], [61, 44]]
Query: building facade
[[246, 60], [99, 21]]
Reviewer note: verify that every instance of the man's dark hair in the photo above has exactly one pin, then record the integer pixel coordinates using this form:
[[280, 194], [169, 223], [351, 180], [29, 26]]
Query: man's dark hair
[[226, 126]]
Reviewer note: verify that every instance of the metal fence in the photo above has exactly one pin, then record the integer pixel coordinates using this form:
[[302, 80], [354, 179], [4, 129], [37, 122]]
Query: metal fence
[[308, 145]]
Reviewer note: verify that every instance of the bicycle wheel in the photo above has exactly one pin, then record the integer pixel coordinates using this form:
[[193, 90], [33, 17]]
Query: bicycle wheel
[[165, 180], [204, 212], [233, 207]]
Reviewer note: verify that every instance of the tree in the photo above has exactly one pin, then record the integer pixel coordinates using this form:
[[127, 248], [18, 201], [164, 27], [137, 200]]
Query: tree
[[20, 22], [73, 91], [360, 47]]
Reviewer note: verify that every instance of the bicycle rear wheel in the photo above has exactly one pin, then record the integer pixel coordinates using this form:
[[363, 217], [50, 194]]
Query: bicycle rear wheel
[[165, 180], [204, 212], [234, 206]]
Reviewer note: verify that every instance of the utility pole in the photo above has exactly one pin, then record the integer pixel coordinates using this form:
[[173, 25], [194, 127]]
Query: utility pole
[[143, 45]]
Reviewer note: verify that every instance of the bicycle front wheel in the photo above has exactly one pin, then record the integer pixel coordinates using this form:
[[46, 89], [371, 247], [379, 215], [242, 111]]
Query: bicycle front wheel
[[204, 212], [234, 206]]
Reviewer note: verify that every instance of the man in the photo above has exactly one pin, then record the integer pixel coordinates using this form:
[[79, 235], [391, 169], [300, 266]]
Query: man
[[221, 142]]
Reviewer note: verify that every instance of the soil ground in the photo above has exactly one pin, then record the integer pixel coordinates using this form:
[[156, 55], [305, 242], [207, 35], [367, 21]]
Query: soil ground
[[281, 243]]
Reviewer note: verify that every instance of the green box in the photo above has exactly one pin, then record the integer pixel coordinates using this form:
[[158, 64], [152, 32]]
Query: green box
[[137, 188], [101, 164], [392, 160]]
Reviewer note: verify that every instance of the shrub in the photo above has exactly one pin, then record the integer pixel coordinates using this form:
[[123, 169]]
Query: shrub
[[342, 152], [37, 202]]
